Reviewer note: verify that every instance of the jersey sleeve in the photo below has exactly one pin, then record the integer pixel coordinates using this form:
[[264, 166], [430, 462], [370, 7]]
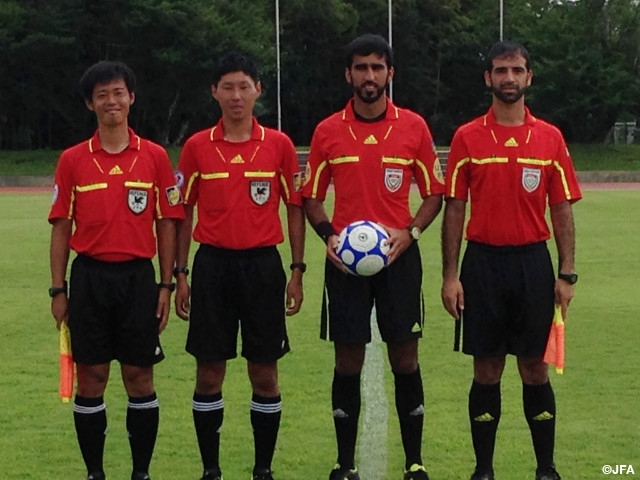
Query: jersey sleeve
[[188, 174], [317, 172], [428, 174], [62, 201], [457, 177], [290, 174], [169, 194], [564, 182]]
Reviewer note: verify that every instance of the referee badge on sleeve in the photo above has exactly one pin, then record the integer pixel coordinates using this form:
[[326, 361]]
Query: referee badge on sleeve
[[173, 195], [531, 179], [137, 201]]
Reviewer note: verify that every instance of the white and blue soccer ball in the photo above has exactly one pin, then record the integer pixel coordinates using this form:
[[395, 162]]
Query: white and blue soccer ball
[[363, 247]]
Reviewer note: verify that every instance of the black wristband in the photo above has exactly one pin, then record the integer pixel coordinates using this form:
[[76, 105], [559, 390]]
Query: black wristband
[[55, 291], [299, 265], [178, 270], [324, 230], [169, 286]]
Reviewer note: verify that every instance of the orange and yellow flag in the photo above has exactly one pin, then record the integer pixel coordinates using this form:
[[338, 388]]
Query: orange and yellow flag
[[65, 389], [554, 353]]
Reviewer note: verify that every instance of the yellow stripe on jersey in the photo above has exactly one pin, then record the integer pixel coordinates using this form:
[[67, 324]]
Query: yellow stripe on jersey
[[398, 161], [214, 175], [88, 188], [534, 161], [347, 159], [425, 174], [158, 211], [285, 187], [259, 174], [138, 184], [484, 161], [316, 180], [190, 184], [454, 176], [563, 176]]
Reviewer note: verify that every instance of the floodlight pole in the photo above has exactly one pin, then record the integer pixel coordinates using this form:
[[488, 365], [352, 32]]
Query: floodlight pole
[[278, 63], [501, 19], [390, 14]]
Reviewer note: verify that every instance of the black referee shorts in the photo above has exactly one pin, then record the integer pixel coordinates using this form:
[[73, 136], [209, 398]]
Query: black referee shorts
[[237, 289], [112, 312], [508, 299], [396, 292]]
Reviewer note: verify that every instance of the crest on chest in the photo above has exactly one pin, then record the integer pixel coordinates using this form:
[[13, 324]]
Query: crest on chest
[[137, 201], [531, 179], [260, 191], [393, 179]]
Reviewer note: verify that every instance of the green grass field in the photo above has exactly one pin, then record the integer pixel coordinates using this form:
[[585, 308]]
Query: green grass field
[[597, 397]]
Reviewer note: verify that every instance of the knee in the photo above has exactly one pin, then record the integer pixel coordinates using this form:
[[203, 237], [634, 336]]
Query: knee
[[264, 379], [533, 371], [488, 371], [403, 357], [349, 359]]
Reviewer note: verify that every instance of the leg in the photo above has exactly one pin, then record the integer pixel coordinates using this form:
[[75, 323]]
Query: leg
[[485, 409], [345, 399], [539, 409], [208, 413], [266, 410], [90, 416], [143, 416], [409, 396]]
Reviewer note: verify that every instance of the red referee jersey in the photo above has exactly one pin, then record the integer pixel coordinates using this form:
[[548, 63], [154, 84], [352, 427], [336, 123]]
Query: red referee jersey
[[114, 199], [510, 173], [237, 186], [372, 165]]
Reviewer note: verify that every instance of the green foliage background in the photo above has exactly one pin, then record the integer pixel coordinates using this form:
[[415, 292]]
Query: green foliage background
[[597, 396], [584, 57]]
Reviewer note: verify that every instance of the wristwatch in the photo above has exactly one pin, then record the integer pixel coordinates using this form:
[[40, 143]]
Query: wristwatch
[[570, 278], [415, 233], [179, 270], [299, 265], [169, 286], [55, 291]]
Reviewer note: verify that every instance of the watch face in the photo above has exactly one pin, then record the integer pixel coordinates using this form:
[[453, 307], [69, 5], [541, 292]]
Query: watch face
[[415, 233], [571, 278]]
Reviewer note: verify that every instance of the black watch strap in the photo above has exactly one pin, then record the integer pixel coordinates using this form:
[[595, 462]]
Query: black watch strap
[[179, 270], [169, 286], [55, 291], [299, 265], [570, 278]]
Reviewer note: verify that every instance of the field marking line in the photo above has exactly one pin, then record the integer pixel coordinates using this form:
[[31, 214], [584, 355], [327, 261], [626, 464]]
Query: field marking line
[[372, 451]]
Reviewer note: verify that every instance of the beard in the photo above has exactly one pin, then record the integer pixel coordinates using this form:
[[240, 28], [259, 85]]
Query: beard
[[369, 96], [509, 97]]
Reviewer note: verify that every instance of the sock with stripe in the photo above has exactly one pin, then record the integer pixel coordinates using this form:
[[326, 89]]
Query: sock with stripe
[[540, 410], [265, 420], [208, 413], [485, 406], [409, 395], [143, 416], [346, 402], [90, 418]]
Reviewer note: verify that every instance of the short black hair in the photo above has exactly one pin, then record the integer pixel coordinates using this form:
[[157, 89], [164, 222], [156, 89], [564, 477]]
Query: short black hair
[[366, 45], [507, 48], [235, 62], [105, 71]]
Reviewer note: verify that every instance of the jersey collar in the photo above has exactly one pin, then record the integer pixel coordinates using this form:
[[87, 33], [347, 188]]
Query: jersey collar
[[490, 118], [95, 145], [257, 131], [349, 115]]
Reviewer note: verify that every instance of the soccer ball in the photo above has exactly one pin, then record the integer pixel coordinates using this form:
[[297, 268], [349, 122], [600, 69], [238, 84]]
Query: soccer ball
[[363, 247]]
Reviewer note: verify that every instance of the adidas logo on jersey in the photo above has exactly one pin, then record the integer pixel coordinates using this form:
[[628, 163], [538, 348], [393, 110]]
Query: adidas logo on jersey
[[511, 143], [237, 159], [116, 170], [371, 140]]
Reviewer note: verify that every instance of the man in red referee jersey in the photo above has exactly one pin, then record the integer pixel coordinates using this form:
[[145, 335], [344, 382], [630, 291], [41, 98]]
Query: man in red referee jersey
[[510, 165], [114, 187], [236, 173], [372, 150]]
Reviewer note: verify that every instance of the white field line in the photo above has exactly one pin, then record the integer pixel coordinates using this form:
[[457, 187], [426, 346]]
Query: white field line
[[372, 448]]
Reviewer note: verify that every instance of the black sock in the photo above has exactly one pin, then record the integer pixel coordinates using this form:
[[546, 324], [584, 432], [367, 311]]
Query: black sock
[[143, 416], [208, 413], [265, 420], [410, 408], [90, 418], [345, 401], [540, 410], [484, 416]]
